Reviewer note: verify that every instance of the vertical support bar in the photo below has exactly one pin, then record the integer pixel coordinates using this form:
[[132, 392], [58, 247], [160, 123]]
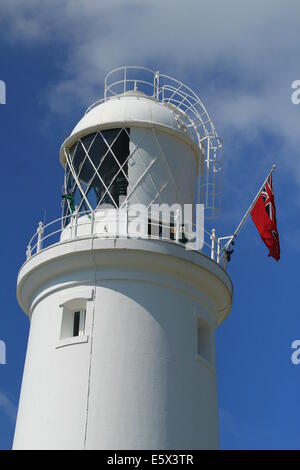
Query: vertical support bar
[[126, 218], [218, 250], [214, 172], [75, 216], [28, 252], [92, 223], [213, 240], [125, 78], [198, 201], [40, 231], [207, 174], [156, 85], [177, 226]]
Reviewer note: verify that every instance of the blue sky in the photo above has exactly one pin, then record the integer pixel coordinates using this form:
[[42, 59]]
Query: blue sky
[[241, 58]]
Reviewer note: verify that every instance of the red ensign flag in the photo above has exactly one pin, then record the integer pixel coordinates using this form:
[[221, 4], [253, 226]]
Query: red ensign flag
[[264, 216]]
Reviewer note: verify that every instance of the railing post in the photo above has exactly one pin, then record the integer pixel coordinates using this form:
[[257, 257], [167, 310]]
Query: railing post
[[28, 252], [92, 222], [213, 240], [177, 226], [75, 222], [40, 231], [125, 78], [156, 85], [126, 218], [218, 250]]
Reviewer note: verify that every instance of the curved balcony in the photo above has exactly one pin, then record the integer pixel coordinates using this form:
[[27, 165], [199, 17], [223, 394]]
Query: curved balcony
[[111, 223]]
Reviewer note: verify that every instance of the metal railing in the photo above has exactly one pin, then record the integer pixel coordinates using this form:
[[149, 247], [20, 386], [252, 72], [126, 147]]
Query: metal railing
[[88, 225], [191, 114]]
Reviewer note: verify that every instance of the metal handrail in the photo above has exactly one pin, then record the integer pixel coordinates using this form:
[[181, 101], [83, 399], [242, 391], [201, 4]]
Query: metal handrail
[[159, 84], [188, 106], [48, 235]]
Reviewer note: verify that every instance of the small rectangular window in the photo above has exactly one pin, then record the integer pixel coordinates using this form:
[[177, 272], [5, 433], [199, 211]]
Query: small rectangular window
[[74, 321], [78, 322]]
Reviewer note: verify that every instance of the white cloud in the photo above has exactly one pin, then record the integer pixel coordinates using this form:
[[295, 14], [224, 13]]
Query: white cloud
[[7, 406], [241, 57], [252, 42]]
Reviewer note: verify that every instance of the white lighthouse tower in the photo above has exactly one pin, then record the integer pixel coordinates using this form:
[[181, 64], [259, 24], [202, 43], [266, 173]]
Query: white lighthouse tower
[[124, 303]]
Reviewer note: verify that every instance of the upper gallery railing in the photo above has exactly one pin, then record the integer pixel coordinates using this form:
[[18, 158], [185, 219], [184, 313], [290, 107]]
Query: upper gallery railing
[[191, 113], [97, 224]]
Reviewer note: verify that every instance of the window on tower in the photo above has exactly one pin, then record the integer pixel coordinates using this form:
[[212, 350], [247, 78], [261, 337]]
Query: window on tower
[[97, 171], [73, 322], [78, 322]]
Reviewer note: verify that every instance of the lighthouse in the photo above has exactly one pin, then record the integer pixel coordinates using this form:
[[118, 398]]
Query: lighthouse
[[124, 292]]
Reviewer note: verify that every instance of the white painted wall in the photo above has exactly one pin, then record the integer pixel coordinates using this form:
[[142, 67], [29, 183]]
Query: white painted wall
[[147, 388], [172, 168], [135, 380]]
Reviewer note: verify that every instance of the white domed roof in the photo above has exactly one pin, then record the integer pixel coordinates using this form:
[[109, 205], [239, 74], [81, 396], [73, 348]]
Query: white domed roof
[[134, 108], [130, 109]]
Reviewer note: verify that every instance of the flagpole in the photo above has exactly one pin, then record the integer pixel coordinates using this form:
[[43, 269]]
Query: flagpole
[[238, 229]]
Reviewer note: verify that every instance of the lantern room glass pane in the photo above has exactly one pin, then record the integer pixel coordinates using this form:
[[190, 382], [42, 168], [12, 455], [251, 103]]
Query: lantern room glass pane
[[99, 161]]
